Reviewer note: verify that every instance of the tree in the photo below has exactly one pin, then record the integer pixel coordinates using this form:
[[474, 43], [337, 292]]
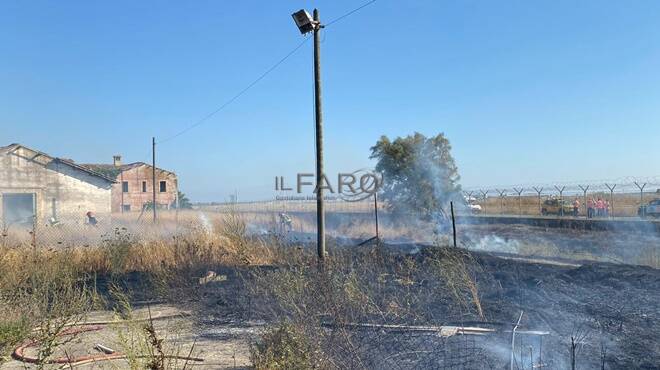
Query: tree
[[184, 202], [419, 173]]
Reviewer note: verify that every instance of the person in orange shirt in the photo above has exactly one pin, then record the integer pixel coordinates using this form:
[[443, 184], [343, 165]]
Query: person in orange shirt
[[590, 207], [600, 207], [576, 207]]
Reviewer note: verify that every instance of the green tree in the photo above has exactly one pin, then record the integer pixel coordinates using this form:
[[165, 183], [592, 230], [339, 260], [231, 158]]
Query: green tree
[[184, 202], [419, 173]]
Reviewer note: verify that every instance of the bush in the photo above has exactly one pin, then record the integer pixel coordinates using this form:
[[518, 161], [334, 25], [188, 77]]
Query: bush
[[283, 346], [12, 333]]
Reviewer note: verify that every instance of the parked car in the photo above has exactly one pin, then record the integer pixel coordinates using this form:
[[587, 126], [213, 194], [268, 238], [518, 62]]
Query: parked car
[[471, 205], [651, 209], [474, 208], [557, 207]]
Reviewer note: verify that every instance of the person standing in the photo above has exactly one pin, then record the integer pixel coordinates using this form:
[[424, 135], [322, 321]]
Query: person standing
[[600, 207], [607, 208], [590, 207], [576, 207]]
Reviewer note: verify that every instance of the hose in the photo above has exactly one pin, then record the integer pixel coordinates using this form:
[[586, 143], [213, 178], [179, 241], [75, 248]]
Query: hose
[[19, 352]]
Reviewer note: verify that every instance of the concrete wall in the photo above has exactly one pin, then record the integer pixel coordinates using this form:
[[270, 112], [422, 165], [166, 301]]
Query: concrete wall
[[59, 188], [135, 197]]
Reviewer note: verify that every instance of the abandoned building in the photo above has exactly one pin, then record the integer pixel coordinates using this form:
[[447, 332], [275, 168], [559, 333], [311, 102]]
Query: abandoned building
[[133, 190], [37, 186]]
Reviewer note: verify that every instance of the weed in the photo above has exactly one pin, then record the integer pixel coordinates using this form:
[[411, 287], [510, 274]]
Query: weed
[[284, 347]]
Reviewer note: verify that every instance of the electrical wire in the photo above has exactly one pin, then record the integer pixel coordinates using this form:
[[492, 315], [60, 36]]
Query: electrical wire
[[349, 13], [238, 95], [261, 77]]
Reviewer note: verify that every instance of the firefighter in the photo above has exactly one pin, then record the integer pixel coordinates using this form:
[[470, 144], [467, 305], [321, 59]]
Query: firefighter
[[91, 219], [286, 222]]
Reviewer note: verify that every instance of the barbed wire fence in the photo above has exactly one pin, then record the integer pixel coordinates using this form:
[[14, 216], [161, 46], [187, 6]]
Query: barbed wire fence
[[625, 195]]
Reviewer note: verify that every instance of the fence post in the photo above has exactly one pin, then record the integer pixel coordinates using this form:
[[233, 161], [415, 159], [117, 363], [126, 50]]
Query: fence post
[[469, 198], [538, 192], [34, 232], [561, 199], [611, 214], [584, 192], [484, 194], [641, 196], [502, 195], [453, 222], [519, 192]]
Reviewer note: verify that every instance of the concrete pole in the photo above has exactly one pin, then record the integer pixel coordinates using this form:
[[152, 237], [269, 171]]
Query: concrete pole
[[611, 188], [519, 192], [538, 192], [153, 175], [320, 210], [584, 191]]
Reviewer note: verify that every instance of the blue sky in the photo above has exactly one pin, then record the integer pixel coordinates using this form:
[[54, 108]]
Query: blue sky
[[526, 91]]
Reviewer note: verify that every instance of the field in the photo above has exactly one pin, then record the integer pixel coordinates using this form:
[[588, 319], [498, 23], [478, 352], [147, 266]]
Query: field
[[233, 290]]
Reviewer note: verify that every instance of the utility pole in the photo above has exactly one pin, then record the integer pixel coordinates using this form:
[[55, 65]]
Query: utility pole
[[320, 209], [153, 175], [306, 24]]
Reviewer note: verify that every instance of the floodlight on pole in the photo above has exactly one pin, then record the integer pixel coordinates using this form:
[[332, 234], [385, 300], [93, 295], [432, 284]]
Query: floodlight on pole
[[304, 21], [307, 23]]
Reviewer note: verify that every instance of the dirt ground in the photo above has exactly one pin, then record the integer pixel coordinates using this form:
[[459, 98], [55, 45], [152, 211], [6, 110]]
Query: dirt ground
[[220, 346]]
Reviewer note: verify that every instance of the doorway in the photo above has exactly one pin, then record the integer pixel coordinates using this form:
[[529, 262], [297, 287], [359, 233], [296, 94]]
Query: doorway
[[18, 209]]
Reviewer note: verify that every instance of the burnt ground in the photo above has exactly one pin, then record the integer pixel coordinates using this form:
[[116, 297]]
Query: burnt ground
[[612, 310], [638, 247], [615, 306]]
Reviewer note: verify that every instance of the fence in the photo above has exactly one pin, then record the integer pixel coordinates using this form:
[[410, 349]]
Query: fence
[[624, 196], [354, 220], [77, 231], [304, 205]]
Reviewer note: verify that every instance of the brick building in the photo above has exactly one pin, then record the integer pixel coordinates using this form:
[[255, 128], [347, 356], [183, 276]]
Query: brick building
[[133, 188]]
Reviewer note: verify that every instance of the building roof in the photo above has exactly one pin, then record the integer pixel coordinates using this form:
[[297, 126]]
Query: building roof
[[44, 159], [113, 171]]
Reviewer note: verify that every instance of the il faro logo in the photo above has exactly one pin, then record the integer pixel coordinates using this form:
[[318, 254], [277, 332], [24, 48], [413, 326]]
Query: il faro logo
[[351, 187]]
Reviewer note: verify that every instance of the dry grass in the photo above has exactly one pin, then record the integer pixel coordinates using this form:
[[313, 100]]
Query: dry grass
[[320, 307], [57, 286]]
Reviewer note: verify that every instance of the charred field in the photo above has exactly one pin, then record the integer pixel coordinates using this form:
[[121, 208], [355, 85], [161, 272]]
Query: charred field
[[385, 309], [398, 304]]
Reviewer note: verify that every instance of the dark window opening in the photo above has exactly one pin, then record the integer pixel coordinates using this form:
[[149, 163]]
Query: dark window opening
[[18, 208], [163, 186], [124, 186], [144, 186], [126, 207]]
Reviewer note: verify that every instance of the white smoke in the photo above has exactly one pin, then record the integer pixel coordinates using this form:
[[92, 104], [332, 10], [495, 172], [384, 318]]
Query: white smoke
[[205, 223], [494, 243]]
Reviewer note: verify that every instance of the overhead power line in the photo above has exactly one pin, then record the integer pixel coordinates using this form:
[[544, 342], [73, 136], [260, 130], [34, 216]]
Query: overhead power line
[[238, 95], [350, 13], [261, 77]]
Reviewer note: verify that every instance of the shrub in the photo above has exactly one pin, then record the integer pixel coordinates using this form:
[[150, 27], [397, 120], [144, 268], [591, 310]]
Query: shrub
[[283, 346]]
